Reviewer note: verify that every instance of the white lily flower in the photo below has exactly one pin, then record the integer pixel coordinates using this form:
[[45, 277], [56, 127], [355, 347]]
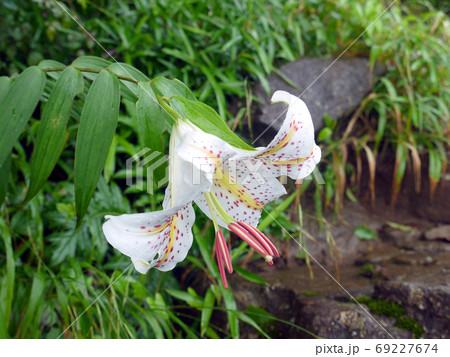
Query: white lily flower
[[234, 184], [159, 239], [230, 185]]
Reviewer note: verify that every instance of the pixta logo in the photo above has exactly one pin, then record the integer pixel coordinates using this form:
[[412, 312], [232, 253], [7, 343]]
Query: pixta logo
[[150, 161], [147, 162]]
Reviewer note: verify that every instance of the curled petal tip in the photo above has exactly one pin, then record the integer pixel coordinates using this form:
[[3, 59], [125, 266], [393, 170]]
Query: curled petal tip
[[281, 96]]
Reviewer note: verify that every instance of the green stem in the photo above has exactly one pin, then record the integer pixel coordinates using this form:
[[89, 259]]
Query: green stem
[[90, 70], [215, 204], [173, 113]]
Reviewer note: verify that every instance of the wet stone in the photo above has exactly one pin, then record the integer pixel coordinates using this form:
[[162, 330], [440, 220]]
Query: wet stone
[[333, 87], [438, 233], [425, 297]]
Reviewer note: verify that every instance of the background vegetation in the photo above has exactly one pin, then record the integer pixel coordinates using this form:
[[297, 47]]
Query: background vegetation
[[51, 273]]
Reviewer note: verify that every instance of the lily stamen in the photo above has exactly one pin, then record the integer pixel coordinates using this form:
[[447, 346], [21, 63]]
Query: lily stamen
[[220, 261], [221, 244], [250, 239], [263, 240]]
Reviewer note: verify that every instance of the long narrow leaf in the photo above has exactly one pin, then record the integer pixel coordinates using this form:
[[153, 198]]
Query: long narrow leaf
[[4, 177], [31, 318], [151, 121], [7, 291], [232, 312], [52, 135], [95, 133], [5, 84], [207, 310], [18, 106], [172, 87]]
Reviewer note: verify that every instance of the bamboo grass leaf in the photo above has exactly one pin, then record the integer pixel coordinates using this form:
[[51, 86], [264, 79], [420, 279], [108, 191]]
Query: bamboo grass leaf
[[95, 133], [52, 135], [16, 109]]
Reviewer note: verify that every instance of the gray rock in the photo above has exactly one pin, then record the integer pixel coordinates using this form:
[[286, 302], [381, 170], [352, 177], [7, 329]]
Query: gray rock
[[425, 297], [326, 87], [332, 319], [442, 232]]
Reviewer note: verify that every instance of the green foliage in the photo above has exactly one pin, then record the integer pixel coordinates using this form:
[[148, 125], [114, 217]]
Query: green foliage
[[405, 116], [53, 275], [365, 233], [409, 324]]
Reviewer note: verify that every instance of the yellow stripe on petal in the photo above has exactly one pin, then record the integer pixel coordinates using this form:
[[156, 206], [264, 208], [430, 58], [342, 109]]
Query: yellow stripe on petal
[[170, 244], [282, 143], [161, 228], [239, 191], [292, 162]]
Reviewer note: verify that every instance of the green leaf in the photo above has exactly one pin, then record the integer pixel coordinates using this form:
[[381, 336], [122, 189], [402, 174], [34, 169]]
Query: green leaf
[[209, 121], [90, 62], [3, 329], [172, 87], [204, 250], [364, 233], [254, 278], [324, 133], [153, 322], [4, 178], [34, 300], [329, 122], [248, 320], [5, 83], [151, 122], [110, 163], [382, 121], [17, 107], [207, 310], [232, 312], [192, 300], [95, 133], [350, 195], [51, 64], [52, 135], [125, 70], [400, 162], [48, 64], [435, 165], [399, 226], [7, 290]]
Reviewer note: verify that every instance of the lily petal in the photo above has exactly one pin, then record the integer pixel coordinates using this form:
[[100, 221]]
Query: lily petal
[[196, 156], [242, 191], [157, 239], [293, 151]]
